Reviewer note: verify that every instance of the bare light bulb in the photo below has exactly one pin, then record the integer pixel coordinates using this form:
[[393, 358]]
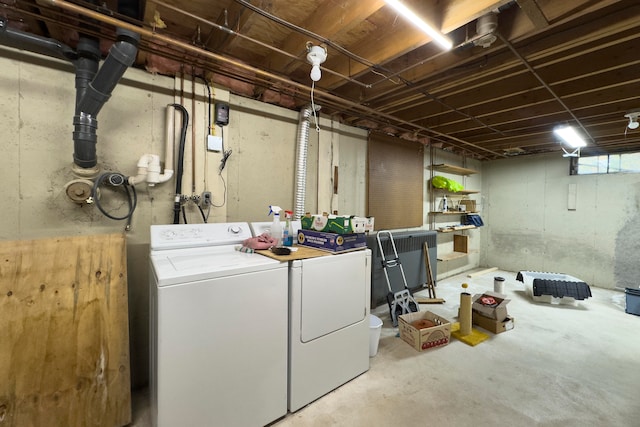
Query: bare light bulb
[[633, 120], [315, 74], [316, 55]]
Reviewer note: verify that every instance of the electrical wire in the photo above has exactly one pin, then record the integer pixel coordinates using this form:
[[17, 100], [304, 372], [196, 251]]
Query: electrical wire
[[204, 218], [313, 106], [224, 194], [225, 154]]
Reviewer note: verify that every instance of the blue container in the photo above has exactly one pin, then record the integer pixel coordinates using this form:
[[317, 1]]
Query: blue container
[[633, 301]]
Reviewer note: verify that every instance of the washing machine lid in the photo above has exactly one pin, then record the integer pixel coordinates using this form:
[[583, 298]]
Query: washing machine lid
[[180, 236], [180, 266]]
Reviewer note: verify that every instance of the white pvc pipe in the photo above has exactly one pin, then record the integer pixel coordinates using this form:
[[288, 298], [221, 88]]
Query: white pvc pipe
[[169, 140]]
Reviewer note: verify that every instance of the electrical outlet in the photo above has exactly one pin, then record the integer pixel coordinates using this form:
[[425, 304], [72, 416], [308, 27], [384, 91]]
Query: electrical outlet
[[205, 201]]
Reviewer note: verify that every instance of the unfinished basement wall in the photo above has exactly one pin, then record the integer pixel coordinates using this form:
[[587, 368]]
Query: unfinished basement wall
[[531, 226], [262, 167], [448, 267], [37, 98]]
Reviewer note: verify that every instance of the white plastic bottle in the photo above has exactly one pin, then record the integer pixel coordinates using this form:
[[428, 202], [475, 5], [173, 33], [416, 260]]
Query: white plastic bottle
[[276, 225]]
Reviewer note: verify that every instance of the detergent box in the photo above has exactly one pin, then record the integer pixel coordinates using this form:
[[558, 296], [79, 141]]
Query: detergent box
[[332, 242], [337, 224]]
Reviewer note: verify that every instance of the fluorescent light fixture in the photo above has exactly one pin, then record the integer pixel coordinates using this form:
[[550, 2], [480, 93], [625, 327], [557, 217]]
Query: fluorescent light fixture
[[569, 135], [435, 35]]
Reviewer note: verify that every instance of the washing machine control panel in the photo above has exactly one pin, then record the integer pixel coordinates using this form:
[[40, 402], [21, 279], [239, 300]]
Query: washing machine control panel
[[177, 236]]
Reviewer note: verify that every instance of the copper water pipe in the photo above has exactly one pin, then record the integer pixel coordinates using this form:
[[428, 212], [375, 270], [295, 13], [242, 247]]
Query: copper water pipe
[[188, 47]]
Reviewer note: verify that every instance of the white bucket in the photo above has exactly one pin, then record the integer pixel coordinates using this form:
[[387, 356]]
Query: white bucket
[[375, 327], [498, 285]]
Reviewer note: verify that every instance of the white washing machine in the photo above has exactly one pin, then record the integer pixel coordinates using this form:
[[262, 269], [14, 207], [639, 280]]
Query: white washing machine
[[218, 326], [329, 323]]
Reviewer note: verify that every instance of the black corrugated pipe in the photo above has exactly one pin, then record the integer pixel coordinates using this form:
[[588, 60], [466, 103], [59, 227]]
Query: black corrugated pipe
[[180, 167], [93, 86], [130, 8], [91, 98], [85, 126], [33, 43], [97, 93], [121, 56]]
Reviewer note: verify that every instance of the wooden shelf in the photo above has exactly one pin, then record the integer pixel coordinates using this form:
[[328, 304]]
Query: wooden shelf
[[450, 213], [447, 213], [457, 228], [443, 167], [451, 256], [457, 193]]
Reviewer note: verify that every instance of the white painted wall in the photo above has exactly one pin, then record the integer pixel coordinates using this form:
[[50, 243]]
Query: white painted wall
[[529, 225]]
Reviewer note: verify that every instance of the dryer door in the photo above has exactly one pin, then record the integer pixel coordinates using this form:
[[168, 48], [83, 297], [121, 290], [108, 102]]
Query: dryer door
[[333, 293]]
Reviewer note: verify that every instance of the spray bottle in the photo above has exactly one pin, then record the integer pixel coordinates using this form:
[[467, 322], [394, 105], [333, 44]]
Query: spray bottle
[[276, 225], [287, 233]]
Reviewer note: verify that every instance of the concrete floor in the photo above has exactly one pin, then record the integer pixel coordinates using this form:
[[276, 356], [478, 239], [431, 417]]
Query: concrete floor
[[562, 365]]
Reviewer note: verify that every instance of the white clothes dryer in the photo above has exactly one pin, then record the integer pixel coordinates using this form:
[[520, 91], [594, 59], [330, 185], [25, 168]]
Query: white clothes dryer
[[329, 324], [218, 327]]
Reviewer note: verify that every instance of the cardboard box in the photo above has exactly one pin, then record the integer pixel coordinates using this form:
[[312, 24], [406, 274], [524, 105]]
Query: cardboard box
[[425, 338], [497, 311], [332, 242], [469, 205], [337, 224], [493, 325]]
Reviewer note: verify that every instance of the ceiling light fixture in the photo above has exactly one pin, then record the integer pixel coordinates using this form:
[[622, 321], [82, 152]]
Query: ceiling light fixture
[[435, 35], [633, 120], [569, 135], [316, 55]]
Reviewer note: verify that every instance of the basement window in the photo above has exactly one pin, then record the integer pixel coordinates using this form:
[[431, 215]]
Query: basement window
[[612, 163]]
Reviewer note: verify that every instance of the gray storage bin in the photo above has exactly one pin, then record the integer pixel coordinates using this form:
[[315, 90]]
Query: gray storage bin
[[633, 301]]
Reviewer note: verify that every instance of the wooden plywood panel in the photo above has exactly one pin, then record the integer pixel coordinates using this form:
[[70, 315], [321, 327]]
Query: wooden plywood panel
[[64, 358], [461, 243], [394, 185]]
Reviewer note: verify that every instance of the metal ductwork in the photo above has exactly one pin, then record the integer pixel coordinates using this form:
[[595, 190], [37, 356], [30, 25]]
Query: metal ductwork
[[301, 160], [485, 28]]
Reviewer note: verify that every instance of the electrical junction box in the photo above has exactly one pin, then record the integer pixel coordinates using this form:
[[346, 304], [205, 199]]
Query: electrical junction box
[[221, 114], [214, 143]]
